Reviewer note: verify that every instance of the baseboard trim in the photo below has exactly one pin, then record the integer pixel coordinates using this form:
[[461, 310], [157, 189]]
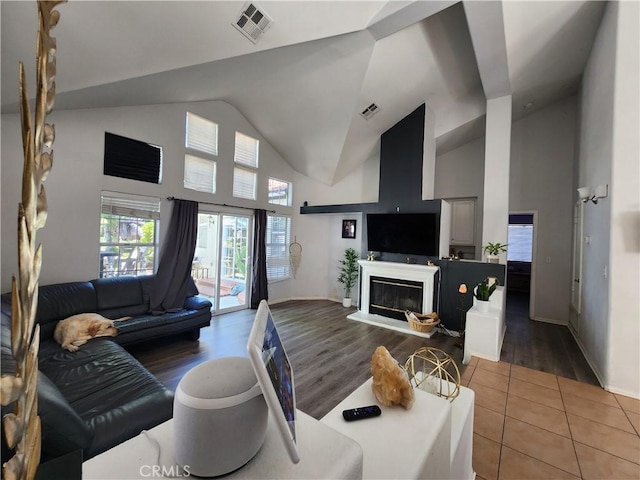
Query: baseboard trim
[[291, 299], [586, 356], [621, 391]]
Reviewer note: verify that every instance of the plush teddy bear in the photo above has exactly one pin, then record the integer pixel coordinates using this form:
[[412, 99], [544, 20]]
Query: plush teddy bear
[[390, 381]]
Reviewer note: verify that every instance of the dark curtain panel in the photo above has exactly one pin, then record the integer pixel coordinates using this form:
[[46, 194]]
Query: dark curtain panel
[[173, 282], [259, 278]]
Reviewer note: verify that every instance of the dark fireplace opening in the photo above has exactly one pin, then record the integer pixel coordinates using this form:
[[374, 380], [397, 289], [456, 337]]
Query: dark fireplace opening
[[390, 297]]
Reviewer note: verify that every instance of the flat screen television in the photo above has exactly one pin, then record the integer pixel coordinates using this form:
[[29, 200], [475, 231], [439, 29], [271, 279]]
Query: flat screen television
[[406, 233]]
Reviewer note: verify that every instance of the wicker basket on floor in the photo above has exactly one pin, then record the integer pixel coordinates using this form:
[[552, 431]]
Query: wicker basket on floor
[[422, 322]]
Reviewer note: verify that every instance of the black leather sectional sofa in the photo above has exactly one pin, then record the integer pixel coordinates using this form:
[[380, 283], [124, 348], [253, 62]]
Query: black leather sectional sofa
[[100, 396]]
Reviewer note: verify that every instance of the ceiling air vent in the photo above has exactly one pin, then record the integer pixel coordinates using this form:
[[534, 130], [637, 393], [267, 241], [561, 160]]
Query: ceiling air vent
[[252, 22], [370, 111]]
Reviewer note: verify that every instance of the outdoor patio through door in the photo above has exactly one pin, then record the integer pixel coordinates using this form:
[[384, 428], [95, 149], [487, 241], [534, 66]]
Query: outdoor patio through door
[[221, 266]]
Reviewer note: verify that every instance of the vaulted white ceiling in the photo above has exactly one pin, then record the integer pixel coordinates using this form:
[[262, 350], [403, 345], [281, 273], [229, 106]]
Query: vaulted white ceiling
[[320, 64]]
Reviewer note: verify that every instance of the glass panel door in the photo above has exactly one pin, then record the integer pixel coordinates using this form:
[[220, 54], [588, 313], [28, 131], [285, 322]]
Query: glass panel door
[[221, 262], [234, 262], [205, 259]]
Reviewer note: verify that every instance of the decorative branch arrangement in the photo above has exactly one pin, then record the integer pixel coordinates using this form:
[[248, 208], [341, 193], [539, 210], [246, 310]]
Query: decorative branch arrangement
[[22, 427]]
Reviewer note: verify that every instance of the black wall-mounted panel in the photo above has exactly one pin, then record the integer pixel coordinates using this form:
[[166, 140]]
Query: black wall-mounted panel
[[132, 159]]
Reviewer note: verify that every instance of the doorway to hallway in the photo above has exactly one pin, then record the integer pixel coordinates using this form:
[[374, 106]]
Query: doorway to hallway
[[521, 251]]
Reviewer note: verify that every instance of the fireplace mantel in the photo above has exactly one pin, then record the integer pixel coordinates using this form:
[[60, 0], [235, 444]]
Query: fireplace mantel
[[394, 270], [404, 271]]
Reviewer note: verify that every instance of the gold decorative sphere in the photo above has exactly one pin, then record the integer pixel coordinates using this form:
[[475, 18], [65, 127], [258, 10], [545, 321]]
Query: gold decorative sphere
[[434, 371]]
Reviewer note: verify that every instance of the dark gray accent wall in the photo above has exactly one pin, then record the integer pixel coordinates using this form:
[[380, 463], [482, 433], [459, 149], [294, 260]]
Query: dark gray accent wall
[[455, 272], [401, 157]]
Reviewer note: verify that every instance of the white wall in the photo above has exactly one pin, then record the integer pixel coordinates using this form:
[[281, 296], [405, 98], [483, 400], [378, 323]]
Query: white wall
[[320, 234], [496, 172], [70, 237], [541, 179], [608, 326], [595, 151], [624, 333], [460, 174]]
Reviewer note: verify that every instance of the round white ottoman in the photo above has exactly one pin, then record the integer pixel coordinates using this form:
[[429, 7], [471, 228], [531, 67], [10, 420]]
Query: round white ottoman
[[220, 417]]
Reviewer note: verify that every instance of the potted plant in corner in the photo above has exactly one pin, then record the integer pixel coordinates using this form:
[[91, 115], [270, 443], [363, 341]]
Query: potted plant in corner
[[483, 292], [492, 250], [348, 274]]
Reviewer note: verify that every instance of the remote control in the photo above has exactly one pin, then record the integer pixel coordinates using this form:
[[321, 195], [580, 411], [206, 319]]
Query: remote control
[[361, 413]]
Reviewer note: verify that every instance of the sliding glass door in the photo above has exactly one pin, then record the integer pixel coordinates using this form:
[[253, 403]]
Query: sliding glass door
[[221, 264]]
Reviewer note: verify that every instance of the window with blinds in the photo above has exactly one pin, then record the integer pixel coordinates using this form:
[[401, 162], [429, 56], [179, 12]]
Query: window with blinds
[[128, 235], [199, 174], [201, 141], [244, 183], [128, 158], [278, 238], [201, 134], [279, 192], [245, 174], [246, 151]]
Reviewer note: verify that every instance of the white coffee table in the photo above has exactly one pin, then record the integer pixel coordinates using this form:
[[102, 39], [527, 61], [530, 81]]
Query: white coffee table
[[324, 453]]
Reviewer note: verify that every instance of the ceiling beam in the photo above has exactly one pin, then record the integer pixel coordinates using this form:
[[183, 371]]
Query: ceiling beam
[[397, 16], [486, 26]]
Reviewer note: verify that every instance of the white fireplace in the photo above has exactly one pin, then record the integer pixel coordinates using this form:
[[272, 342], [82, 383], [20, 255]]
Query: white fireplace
[[423, 275]]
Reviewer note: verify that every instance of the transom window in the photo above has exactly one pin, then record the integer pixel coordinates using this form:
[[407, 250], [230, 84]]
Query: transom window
[[247, 150], [244, 183], [199, 174], [201, 143], [279, 192], [245, 173], [128, 235], [201, 134], [278, 238]]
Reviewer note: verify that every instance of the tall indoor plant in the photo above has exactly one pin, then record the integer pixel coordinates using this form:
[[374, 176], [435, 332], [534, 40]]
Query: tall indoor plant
[[348, 274]]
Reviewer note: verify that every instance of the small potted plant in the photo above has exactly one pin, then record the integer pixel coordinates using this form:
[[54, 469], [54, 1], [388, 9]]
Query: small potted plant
[[483, 292], [348, 274], [492, 250]]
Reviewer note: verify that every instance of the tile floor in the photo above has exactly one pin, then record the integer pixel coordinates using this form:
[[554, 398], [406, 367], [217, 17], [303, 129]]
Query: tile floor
[[535, 425]]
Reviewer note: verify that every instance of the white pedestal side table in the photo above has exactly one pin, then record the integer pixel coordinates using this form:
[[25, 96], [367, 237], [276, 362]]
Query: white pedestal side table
[[484, 331], [400, 443]]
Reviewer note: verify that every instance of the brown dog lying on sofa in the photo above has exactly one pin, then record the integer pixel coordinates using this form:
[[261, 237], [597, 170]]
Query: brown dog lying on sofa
[[76, 330]]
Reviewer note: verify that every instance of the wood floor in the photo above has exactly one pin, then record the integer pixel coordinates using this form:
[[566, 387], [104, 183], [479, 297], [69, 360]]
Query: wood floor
[[542, 346], [330, 355]]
